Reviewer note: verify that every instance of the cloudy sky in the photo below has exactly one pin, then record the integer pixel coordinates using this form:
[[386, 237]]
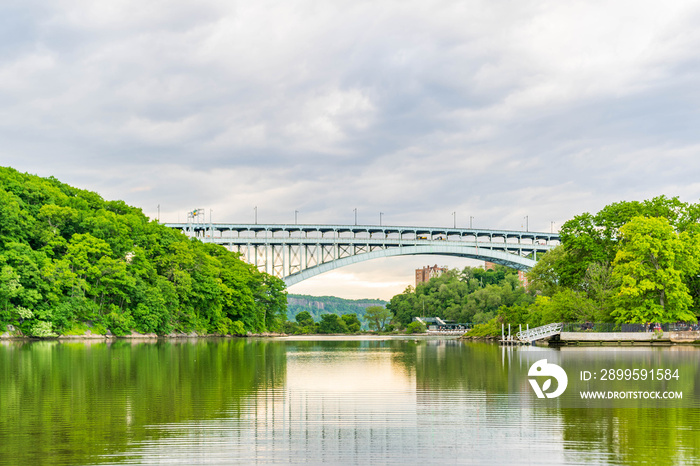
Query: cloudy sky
[[417, 109]]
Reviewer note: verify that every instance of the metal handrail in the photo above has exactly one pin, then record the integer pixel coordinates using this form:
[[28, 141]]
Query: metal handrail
[[538, 333]]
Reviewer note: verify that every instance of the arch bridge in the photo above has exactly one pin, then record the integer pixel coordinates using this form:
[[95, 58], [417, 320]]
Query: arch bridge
[[297, 252]]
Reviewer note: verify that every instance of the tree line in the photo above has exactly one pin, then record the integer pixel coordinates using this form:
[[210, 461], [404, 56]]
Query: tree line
[[69, 261], [632, 262], [467, 296], [319, 305], [378, 319]]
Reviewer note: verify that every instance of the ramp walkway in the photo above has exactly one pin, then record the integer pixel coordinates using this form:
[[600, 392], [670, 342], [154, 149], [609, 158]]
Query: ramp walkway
[[539, 333], [524, 337]]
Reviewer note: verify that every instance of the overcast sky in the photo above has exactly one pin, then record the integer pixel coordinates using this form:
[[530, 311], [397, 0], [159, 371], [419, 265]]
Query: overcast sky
[[417, 109]]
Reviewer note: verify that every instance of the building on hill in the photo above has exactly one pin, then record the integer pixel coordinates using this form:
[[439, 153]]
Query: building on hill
[[523, 278], [426, 273]]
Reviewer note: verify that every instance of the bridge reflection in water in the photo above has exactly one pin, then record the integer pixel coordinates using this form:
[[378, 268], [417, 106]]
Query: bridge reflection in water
[[297, 252]]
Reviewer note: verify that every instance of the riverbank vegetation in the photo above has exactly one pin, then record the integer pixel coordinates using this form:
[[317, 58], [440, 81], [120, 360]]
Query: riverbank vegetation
[[319, 305], [70, 260], [468, 296], [378, 320], [632, 262], [304, 324]]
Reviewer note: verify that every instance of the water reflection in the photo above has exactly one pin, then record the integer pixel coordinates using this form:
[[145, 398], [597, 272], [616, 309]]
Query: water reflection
[[339, 401], [69, 403]]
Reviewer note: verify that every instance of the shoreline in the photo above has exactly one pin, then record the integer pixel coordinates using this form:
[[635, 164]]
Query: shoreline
[[7, 336], [590, 339]]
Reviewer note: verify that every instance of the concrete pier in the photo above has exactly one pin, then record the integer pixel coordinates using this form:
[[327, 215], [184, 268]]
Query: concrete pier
[[611, 339]]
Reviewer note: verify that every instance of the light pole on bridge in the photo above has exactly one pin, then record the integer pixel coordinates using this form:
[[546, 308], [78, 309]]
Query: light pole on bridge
[[454, 219], [355, 210], [551, 226], [470, 221], [296, 212], [256, 214], [380, 218], [527, 223]]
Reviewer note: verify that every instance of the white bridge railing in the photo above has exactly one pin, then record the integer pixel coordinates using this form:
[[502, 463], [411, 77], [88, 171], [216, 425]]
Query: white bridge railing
[[538, 333]]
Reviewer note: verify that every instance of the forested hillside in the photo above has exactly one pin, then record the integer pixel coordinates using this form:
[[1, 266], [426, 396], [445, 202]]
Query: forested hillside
[[318, 305], [69, 260]]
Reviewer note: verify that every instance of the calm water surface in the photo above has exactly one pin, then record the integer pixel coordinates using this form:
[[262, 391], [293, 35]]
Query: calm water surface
[[347, 401]]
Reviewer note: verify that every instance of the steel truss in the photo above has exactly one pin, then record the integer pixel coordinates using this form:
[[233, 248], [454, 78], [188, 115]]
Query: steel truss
[[297, 252]]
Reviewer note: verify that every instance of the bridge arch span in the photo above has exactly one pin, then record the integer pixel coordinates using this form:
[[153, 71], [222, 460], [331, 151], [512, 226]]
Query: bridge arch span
[[297, 252], [498, 257]]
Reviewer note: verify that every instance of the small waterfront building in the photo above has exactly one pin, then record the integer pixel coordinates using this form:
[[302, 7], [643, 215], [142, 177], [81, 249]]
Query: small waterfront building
[[437, 324]]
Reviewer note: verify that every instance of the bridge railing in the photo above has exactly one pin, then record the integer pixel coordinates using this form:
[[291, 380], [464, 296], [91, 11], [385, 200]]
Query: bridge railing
[[397, 232]]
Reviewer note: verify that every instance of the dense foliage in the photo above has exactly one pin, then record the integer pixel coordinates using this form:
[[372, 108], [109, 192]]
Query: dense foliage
[[379, 318], [472, 295], [632, 262], [319, 305], [329, 323], [69, 260]]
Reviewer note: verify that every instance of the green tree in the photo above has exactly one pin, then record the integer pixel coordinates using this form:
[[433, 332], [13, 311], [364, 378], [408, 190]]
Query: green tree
[[594, 238], [332, 323], [291, 328], [415, 327], [68, 257], [9, 288], [352, 322], [304, 319], [545, 277], [378, 317], [472, 295], [566, 305], [272, 296], [601, 288], [651, 264], [406, 306]]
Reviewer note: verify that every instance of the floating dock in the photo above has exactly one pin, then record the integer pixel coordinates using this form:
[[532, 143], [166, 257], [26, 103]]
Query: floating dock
[[555, 337]]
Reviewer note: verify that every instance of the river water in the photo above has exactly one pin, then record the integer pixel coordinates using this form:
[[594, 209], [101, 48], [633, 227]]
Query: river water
[[335, 400]]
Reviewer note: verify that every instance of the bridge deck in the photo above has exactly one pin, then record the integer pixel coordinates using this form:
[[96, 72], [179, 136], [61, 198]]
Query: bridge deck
[[291, 231]]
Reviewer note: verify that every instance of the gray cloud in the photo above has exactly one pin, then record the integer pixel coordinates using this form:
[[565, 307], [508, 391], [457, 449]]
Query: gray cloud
[[415, 109]]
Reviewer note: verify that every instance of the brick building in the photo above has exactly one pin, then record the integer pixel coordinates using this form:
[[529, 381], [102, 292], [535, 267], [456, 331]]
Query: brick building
[[426, 273]]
